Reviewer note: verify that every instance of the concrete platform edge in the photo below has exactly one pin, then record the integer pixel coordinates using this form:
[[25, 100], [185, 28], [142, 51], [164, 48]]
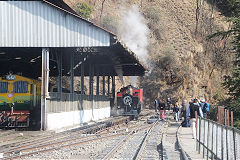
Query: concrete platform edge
[[184, 155]]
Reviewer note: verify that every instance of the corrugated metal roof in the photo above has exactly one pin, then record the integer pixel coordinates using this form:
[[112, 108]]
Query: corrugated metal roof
[[61, 4], [131, 53], [37, 24]]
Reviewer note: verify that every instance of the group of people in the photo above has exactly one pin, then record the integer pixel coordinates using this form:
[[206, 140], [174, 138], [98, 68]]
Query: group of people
[[186, 110]]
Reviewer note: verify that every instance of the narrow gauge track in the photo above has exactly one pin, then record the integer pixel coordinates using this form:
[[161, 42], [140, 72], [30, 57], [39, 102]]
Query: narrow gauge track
[[47, 143], [57, 141], [45, 136], [11, 148], [132, 145], [89, 129], [150, 148], [56, 145]]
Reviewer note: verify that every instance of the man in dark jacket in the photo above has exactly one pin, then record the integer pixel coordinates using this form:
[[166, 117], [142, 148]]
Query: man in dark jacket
[[194, 107]]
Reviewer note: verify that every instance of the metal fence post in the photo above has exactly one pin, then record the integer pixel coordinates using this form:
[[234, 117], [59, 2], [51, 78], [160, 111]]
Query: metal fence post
[[234, 144], [207, 139], [222, 142], [199, 135], [216, 140], [203, 138], [227, 142], [212, 142]]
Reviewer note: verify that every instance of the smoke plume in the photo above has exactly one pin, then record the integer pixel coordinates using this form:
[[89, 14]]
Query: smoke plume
[[133, 31]]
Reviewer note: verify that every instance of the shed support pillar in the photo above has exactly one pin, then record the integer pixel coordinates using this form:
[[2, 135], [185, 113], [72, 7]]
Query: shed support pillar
[[103, 85], [59, 72], [108, 82], [82, 78], [113, 93], [44, 86], [97, 85], [91, 75], [113, 87], [72, 73], [90, 79]]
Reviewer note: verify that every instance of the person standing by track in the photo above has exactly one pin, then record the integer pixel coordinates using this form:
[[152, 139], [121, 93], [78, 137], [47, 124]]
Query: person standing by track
[[156, 104], [176, 110], [194, 107], [185, 106], [162, 110]]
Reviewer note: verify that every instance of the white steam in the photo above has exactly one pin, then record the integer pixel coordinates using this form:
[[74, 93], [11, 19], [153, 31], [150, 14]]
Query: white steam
[[133, 31]]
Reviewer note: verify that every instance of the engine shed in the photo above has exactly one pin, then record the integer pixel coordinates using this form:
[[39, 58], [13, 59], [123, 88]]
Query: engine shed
[[47, 40]]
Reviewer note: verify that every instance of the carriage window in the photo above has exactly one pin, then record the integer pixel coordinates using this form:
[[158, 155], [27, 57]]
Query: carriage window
[[20, 87], [3, 87]]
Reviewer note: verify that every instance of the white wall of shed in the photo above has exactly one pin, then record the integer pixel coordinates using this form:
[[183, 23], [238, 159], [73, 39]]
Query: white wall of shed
[[58, 121]]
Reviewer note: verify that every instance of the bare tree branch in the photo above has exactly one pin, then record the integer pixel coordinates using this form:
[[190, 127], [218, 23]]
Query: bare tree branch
[[102, 9]]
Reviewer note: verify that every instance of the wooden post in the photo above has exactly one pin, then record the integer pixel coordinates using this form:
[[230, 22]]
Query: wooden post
[[231, 118], [225, 117], [228, 117]]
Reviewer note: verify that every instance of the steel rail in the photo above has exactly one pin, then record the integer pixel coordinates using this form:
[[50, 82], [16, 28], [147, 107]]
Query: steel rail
[[58, 147], [62, 133], [45, 139], [115, 148], [144, 141], [110, 154], [82, 141], [63, 146], [53, 142], [21, 149]]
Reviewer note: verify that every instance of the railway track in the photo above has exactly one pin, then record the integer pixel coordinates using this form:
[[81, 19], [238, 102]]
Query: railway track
[[56, 144], [15, 147], [150, 148], [48, 137], [134, 144], [48, 143], [57, 141]]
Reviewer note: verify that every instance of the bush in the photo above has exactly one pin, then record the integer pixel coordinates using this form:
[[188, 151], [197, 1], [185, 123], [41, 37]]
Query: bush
[[84, 10], [154, 23], [110, 23], [153, 14], [237, 124]]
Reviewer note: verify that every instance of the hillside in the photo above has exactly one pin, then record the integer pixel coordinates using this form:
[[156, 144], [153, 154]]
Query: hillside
[[182, 62]]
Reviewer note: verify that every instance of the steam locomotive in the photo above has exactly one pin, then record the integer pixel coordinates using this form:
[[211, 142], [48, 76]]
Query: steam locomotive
[[129, 101], [19, 96]]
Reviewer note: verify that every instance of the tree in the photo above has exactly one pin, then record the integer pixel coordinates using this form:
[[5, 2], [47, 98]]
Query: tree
[[84, 10], [232, 83]]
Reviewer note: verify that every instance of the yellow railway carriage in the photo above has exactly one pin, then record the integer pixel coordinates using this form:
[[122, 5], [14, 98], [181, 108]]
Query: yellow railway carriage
[[18, 97]]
